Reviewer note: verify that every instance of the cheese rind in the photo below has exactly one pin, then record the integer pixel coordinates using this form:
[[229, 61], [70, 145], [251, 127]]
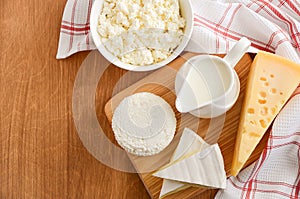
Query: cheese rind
[[271, 82], [189, 143], [205, 168], [171, 186]]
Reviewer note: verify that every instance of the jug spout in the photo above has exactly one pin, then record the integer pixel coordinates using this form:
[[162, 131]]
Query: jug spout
[[180, 106], [194, 92], [186, 99]]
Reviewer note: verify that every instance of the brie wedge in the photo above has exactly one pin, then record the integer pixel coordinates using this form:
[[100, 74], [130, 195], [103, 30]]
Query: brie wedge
[[205, 168], [189, 144]]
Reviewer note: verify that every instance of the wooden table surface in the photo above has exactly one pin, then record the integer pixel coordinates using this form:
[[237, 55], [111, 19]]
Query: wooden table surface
[[41, 153]]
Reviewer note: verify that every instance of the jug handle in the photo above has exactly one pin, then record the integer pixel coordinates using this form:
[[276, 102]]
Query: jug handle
[[237, 51]]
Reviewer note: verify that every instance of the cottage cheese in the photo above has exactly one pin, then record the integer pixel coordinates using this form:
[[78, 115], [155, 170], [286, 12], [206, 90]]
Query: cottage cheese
[[141, 32], [144, 124]]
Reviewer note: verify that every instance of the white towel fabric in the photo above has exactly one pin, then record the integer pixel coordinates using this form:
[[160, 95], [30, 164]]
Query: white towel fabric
[[272, 26]]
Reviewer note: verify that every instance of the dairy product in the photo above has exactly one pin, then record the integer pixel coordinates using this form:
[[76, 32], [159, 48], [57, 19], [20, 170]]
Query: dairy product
[[189, 144], [141, 32], [144, 124], [205, 168], [271, 82]]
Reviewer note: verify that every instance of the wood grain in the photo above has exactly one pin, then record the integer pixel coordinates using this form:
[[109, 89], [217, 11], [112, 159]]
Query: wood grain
[[161, 82], [41, 154]]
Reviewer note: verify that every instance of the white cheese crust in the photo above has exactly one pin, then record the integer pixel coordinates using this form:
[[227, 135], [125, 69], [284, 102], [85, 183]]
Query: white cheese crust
[[141, 32], [205, 168], [189, 143], [144, 124]]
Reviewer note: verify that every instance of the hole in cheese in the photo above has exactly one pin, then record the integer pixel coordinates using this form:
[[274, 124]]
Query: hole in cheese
[[272, 76], [264, 111], [273, 110], [281, 93], [263, 79], [250, 110], [262, 101], [263, 123], [253, 134], [252, 122], [263, 94], [273, 90], [267, 84]]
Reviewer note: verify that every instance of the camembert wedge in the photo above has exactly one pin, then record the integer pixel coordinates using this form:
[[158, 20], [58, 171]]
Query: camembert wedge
[[189, 143], [271, 82], [205, 168]]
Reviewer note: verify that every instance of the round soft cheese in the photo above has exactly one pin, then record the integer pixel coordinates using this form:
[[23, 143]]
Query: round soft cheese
[[144, 124]]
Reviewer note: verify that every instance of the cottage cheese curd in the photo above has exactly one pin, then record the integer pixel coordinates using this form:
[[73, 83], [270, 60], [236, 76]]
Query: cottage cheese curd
[[141, 32]]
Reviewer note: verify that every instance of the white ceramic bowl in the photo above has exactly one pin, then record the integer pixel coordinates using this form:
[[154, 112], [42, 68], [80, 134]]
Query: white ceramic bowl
[[186, 12]]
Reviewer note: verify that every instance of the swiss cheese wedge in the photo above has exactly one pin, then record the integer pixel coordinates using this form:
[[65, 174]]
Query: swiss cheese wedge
[[271, 82]]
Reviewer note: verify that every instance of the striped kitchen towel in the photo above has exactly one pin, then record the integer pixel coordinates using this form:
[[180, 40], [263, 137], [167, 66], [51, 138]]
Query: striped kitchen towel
[[272, 26], [75, 29]]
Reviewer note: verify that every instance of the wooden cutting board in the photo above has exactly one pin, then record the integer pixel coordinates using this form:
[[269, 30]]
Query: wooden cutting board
[[221, 129]]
